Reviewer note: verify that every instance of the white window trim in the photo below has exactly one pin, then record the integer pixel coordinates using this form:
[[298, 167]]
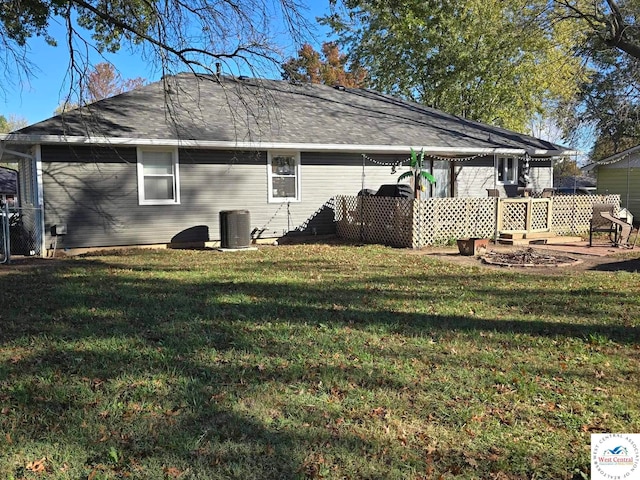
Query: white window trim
[[176, 176], [504, 170], [270, 176]]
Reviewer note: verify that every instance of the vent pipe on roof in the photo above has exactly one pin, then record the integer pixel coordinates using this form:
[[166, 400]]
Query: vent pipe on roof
[[342, 88]]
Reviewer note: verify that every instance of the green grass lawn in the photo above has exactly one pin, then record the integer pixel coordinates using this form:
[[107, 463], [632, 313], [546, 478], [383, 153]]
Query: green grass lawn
[[310, 362]]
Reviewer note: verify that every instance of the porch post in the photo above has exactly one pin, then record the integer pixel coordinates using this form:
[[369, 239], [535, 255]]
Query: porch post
[[498, 212]]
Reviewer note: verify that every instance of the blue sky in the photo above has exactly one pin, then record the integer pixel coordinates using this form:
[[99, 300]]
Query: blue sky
[[37, 97]]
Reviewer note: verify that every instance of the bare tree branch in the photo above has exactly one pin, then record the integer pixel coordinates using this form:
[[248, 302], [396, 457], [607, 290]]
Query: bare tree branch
[[174, 35]]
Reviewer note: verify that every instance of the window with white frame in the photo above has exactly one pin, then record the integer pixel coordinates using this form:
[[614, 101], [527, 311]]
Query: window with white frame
[[158, 181], [283, 171], [507, 170]]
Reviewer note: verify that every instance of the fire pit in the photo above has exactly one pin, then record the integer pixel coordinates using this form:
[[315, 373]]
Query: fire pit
[[529, 258]]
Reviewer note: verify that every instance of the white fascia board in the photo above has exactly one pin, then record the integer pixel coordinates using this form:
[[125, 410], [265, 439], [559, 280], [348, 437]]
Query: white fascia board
[[306, 147]]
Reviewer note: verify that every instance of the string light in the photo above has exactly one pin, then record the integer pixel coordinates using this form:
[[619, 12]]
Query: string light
[[399, 163], [396, 164], [526, 158], [454, 159], [616, 160]]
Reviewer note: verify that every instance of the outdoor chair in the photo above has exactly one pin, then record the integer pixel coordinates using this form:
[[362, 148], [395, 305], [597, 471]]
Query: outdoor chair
[[603, 219]]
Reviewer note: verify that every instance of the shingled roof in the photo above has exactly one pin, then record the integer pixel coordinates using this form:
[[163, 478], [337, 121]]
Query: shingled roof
[[205, 111]]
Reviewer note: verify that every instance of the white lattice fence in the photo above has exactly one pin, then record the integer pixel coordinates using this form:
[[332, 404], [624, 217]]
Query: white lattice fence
[[347, 216], [572, 213], [369, 219], [439, 220], [416, 223]]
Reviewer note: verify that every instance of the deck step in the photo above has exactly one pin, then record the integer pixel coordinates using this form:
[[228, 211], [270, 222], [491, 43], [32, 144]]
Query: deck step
[[550, 239]]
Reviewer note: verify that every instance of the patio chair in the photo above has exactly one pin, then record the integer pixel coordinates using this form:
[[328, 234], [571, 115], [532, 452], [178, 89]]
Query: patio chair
[[603, 219]]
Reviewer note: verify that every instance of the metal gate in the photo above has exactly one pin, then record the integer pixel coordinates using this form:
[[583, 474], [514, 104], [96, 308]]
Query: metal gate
[[5, 248], [19, 232]]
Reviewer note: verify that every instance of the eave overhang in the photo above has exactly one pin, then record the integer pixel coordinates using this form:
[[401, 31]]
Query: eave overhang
[[21, 139]]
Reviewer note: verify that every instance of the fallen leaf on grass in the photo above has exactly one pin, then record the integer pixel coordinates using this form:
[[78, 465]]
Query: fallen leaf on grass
[[96, 470], [172, 472], [504, 389], [37, 466], [378, 412]]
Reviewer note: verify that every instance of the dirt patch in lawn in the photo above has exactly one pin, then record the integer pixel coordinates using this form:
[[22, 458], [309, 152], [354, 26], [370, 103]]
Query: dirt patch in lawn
[[529, 257]]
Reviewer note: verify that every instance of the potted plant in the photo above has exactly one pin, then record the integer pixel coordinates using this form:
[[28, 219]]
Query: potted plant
[[472, 246]]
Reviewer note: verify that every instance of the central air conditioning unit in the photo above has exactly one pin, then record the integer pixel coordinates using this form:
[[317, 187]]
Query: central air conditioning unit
[[235, 229]]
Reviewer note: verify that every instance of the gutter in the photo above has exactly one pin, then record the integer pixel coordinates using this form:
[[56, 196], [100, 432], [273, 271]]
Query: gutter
[[21, 139]]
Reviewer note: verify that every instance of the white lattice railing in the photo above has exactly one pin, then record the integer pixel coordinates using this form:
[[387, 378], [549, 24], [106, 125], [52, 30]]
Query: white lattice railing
[[411, 223], [523, 215]]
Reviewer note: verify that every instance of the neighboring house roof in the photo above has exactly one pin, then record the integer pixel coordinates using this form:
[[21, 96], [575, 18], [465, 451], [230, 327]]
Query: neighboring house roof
[[8, 181], [200, 111], [615, 158], [574, 181]]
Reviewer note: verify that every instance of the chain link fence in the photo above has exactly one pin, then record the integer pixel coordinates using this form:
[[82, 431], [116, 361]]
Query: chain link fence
[[19, 232], [4, 235]]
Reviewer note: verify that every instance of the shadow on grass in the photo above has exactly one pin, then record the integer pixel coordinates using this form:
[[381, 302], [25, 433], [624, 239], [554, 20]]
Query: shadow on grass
[[71, 304], [631, 265], [98, 325]]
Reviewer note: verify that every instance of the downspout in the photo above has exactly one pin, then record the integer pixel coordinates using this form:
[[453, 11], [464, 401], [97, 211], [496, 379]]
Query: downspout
[[39, 200]]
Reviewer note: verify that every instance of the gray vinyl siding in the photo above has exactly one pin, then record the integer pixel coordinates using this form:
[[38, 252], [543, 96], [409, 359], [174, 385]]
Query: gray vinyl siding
[[474, 177], [94, 192], [622, 180], [541, 175]]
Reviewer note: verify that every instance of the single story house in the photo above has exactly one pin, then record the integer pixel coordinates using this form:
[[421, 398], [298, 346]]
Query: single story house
[[620, 174], [157, 164]]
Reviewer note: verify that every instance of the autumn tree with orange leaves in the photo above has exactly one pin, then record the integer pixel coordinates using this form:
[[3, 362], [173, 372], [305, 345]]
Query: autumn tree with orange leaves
[[328, 67], [101, 82]]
